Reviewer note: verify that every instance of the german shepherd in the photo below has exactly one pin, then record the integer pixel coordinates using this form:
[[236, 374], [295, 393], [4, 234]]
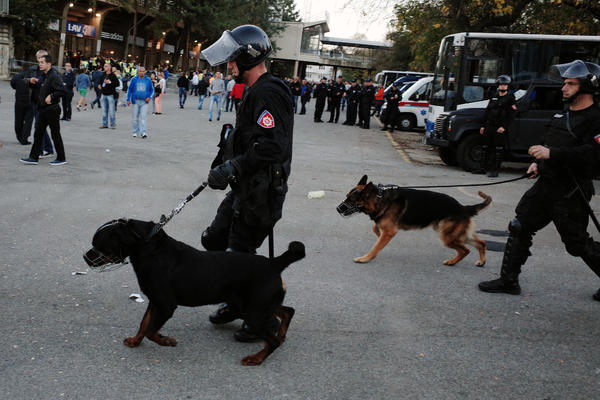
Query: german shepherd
[[395, 208]]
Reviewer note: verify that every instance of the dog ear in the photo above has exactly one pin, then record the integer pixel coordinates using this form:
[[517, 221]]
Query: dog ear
[[363, 181], [140, 229]]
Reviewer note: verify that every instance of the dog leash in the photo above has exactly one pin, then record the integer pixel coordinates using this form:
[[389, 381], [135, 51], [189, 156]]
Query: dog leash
[[527, 175], [164, 219]]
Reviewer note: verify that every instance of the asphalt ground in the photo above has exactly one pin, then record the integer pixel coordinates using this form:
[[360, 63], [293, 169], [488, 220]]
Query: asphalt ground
[[401, 327]]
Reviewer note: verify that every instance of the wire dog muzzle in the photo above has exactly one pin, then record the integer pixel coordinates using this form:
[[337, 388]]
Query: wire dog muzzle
[[346, 209], [101, 262]]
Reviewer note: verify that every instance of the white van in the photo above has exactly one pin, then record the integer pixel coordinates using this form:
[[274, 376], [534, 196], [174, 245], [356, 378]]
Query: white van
[[413, 105]]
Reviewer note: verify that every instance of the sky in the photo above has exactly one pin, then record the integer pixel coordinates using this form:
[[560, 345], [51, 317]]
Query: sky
[[348, 17]]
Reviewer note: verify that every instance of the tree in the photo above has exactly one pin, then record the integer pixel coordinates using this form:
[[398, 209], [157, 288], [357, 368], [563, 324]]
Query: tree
[[31, 26]]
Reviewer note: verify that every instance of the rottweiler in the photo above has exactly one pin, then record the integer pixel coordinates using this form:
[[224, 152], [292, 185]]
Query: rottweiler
[[172, 273], [395, 208]]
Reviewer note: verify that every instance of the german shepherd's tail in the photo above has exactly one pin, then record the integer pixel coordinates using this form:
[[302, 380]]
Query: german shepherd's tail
[[476, 208], [294, 253]]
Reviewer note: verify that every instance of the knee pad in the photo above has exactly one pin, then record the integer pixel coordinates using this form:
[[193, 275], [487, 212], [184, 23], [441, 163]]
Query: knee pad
[[515, 227]]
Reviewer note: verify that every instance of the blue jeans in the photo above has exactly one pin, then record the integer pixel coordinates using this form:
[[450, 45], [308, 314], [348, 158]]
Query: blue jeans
[[201, 101], [228, 102], [296, 103], [215, 98], [108, 109], [182, 93], [138, 116]]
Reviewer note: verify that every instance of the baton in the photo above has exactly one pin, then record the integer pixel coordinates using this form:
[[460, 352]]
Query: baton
[[164, 219], [585, 201]]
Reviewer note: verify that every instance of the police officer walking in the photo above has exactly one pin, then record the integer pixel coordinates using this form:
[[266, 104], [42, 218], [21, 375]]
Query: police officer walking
[[336, 92], [321, 93], [565, 163], [254, 157], [367, 96], [353, 94], [499, 115]]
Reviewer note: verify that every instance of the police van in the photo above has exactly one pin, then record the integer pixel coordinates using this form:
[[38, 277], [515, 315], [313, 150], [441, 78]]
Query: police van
[[413, 105]]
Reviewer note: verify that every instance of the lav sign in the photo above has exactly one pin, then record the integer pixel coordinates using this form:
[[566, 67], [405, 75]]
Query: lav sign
[[81, 29]]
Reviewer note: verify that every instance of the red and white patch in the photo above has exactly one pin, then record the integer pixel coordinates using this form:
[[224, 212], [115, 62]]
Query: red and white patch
[[266, 120], [597, 139]]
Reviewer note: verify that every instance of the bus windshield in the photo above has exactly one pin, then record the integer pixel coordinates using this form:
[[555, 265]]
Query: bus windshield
[[446, 71]]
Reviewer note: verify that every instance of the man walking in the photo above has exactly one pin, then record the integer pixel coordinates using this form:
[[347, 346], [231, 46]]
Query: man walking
[[254, 157], [47, 100], [23, 108], [139, 94], [108, 87], [321, 92], [97, 81], [217, 88], [183, 84]]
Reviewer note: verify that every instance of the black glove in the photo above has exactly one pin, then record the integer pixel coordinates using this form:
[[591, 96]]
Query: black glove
[[220, 176]]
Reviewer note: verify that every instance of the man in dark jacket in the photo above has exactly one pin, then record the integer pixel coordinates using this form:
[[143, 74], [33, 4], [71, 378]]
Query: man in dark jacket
[[202, 88], [108, 87], [321, 92], [296, 89], [367, 96], [97, 80], [392, 112], [566, 162], [47, 99], [69, 80], [353, 95], [23, 108], [305, 93], [336, 91], [254, 157], [184, 85]]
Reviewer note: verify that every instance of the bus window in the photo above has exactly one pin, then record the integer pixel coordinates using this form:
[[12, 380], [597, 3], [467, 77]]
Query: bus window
[[447, 68]]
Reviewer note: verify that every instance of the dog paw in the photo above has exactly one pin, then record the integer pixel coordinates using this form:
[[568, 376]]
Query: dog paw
[[362, 260], [449, 263], [164, 340], [480, 263], [131, 342], [252, 360]]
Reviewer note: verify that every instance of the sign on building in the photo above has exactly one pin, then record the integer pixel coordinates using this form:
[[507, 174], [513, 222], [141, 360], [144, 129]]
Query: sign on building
[[81, 29]]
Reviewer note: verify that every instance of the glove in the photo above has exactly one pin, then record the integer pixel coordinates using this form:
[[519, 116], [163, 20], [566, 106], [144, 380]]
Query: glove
[[220, 176]]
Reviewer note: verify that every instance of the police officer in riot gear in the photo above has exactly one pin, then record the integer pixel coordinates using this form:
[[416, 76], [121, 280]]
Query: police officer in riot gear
[[353, 94], [321, 93], [392, 112], [336, 92], [254, 157], [499, 115], [565, 164]]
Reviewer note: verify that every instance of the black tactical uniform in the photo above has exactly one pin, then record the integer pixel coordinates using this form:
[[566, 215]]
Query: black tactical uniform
[[500, 112], [367, 96], [352, 94], [573, 138], [320, 93], [336, 92], [392, 112]]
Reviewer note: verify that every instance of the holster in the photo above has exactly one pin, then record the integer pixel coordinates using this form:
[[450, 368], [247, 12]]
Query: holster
[[225, 145]]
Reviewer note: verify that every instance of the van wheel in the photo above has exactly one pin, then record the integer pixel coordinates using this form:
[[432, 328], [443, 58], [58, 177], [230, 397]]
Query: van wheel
[[448, 156], [469, 152], [407, 122]]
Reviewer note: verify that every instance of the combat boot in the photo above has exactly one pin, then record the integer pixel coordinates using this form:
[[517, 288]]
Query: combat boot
[[495, 163], [482, 161]]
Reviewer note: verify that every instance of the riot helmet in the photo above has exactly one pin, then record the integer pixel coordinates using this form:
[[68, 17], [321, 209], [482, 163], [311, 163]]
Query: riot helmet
[[247, 45], [503, 80], [587, 73]]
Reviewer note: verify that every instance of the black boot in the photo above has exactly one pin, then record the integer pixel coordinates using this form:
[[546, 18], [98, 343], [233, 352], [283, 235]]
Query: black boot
[[482, 161], [246, 335], [495, 163], [224, 314], [515, 255]]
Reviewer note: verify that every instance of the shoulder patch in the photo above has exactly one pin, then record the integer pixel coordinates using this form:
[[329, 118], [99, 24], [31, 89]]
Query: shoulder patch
[[266, 120], [558, 115], [597, 138]]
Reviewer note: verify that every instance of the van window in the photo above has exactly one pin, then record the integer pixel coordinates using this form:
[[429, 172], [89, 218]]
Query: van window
[[420, 93]]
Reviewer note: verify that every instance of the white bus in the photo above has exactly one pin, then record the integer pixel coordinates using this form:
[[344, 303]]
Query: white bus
[[386, 78], [468, 64]]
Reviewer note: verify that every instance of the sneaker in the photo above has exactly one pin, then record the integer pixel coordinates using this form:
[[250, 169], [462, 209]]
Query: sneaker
[[104, 127], [134, 135], [144, 136], [78, 108], [46, 154], [58, 162], [28, 160]]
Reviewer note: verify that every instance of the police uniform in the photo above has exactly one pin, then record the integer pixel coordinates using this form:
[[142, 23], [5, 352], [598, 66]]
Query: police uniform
[[336, 92], [261, 146], [367, 95], [391, 112], [352, 94], [573, 138], [500, 112], [321, 92]]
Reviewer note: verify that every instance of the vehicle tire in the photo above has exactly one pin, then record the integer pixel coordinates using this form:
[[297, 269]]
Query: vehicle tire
[[406, 122], [468, 154], [448, 156]]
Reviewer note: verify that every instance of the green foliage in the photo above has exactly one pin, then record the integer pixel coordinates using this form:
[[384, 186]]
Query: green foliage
[[31, 27]]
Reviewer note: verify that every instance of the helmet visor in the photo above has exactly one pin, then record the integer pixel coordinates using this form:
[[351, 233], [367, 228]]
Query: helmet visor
[[223, 50], [574, 69]]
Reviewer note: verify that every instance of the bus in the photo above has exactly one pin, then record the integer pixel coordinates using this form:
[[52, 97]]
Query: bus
[[469, 63], [386, 78]]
